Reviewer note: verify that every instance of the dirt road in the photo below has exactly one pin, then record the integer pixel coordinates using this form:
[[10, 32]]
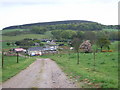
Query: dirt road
[[43, 73]]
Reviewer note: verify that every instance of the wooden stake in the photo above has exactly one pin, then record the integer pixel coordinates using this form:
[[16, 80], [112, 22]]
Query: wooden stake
[[17, 57], [2, 59]]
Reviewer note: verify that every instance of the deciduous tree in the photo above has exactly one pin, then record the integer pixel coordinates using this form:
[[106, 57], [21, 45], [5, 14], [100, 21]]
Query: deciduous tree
[[103, 42], [76, 44]]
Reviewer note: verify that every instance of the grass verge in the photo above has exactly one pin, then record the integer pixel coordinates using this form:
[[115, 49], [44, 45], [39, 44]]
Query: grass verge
[[11, 68]]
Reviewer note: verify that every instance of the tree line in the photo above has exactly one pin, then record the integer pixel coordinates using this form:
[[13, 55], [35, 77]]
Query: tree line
[[86, 35], [42, 29]]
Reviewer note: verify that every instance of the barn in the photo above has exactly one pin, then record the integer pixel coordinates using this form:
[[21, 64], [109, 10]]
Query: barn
[[33, 51]]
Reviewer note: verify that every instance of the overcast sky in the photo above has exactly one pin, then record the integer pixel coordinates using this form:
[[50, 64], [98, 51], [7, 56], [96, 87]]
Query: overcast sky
[[17, 12]]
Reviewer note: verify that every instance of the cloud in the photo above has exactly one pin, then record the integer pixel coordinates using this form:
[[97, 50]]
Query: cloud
[[27, 2], [31, 11], [46, 2]]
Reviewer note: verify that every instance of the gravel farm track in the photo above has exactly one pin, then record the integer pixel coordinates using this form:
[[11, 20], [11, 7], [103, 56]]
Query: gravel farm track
[[43, 73]]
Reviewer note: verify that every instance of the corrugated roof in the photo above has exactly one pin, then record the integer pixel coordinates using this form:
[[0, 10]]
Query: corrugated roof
[[35, 48], [41, 48]]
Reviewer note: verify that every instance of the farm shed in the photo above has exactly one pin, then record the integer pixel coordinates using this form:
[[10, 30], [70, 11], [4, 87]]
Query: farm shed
[[51, 47], [51, 42], [34, 51]]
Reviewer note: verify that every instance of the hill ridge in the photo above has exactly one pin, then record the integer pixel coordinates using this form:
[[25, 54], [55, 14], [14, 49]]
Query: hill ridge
[[49, 23]]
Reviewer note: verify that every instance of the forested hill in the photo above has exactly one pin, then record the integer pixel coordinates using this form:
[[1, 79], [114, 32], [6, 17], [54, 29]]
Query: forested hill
[[64, 25], [48, 23]]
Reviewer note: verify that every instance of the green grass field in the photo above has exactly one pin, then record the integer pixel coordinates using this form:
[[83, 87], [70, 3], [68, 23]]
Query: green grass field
[[11, 30], [11, 68], [106, 69], [110, 29], [20, 37], [4, 46], [105, 74]]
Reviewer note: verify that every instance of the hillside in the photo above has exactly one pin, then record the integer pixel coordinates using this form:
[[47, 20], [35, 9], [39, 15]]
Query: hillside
[[58, 30], [27, 26]]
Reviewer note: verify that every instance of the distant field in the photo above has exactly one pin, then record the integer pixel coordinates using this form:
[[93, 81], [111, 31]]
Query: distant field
[[110, 29], [5, 47], [11, 30], [20, 37], [114, 46]]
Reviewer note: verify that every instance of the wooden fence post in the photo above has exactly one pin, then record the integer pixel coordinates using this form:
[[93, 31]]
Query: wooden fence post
[[17, 57], [2, 58]]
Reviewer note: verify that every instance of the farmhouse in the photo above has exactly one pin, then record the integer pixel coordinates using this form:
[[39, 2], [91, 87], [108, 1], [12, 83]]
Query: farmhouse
[[19, 50]]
